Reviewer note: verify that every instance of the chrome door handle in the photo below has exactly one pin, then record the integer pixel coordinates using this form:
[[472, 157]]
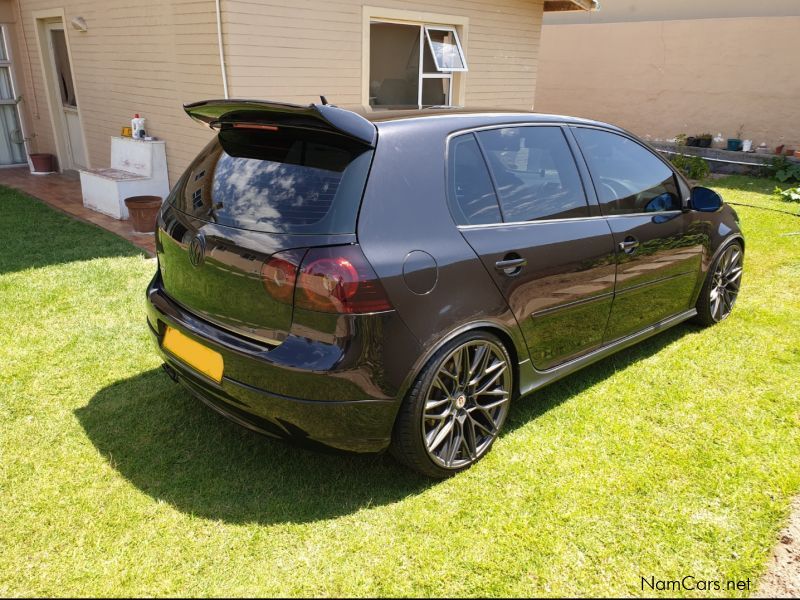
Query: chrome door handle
[[511, 266], [629, 245]]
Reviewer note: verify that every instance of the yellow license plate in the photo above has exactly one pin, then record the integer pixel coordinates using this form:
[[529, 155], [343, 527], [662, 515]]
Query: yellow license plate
[[193, 354]]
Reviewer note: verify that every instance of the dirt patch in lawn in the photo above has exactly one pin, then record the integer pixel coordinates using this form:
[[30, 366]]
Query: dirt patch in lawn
[[782, 580]]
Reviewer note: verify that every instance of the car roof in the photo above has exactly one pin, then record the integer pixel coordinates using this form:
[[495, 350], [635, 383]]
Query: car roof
[[488, 116]]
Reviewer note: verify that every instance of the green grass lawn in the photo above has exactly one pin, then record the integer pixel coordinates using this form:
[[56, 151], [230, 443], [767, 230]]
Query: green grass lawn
[[676, 457]]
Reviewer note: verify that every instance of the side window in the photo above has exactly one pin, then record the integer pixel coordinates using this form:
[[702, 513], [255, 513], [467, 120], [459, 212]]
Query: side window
[[628, 177], [471, 195], [535, 173]]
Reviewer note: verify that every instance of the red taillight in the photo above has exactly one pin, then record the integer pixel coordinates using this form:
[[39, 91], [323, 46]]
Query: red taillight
[[279, 274], [339, 280]]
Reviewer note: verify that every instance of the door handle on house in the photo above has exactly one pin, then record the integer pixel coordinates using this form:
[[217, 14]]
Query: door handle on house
[[629, 245], [511, 264]]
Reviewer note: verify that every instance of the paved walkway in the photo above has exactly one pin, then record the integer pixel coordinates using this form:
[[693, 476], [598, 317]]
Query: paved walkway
[[62, 191]]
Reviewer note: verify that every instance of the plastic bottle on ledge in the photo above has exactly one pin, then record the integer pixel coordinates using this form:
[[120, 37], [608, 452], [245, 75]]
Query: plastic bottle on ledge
[[137, 127]]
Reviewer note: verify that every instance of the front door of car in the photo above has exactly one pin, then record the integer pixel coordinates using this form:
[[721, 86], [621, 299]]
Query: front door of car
[[528, 219], [658, 253]]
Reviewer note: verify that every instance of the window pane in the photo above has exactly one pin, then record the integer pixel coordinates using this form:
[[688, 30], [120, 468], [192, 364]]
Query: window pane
[[436, 91], [628, 177], [3, 51], [471, 195], [445, 49], [5, 84], [535, 173], [290, 181], [12, 147], [394, 65]]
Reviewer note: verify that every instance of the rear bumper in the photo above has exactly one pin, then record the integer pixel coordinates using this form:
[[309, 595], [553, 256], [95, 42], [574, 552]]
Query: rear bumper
[[333, 395]]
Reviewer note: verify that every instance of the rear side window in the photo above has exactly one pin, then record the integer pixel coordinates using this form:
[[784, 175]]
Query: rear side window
[[628, 177], [471, 195], [284, 181], [535, 173]]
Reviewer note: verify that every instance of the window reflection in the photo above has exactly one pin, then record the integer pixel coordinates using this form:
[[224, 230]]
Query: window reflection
[[292, 181], [628, 177]]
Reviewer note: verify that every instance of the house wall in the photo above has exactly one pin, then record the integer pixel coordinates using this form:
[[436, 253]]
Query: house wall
[[295, 50], [619, 11], [152, 56], [662, 78], [148, 56]]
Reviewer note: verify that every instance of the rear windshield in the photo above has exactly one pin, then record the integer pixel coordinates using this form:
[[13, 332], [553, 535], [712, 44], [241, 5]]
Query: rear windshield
[[283, 181]]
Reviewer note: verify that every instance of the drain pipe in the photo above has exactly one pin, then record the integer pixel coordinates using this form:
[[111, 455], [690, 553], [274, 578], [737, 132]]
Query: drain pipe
[[221, 51]]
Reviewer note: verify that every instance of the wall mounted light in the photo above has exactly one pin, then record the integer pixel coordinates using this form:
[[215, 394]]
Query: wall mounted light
[[79, 23]]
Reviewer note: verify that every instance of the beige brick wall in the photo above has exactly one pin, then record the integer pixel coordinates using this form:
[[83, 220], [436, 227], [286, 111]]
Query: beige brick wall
[[662, 78]]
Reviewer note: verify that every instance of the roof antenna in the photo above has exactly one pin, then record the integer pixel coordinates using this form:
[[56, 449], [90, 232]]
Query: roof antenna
[[324, 100]]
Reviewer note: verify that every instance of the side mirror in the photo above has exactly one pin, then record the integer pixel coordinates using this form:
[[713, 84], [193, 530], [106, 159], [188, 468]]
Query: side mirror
[[705, 200]]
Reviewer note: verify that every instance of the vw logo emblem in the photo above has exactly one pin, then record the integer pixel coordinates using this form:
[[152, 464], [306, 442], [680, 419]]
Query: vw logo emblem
[[197, 250]]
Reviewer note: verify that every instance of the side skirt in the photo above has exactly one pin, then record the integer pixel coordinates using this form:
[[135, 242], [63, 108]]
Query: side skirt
[[531, 379]]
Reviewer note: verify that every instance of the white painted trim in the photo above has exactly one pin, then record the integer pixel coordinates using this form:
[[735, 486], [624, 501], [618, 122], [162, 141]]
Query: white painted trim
[[452, 30]]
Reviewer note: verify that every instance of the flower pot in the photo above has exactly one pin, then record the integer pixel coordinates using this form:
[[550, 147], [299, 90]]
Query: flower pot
[[143, 211], [779, 150], [788, 152], [691, 141], [43, 163], [797, 153], [734, 144], [705, 143]]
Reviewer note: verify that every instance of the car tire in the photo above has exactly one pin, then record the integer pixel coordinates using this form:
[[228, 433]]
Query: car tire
[[721, 287], [456, 407]]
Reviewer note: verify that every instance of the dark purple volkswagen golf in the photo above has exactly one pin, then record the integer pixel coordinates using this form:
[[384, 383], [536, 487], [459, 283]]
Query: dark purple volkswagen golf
[[396, 280]]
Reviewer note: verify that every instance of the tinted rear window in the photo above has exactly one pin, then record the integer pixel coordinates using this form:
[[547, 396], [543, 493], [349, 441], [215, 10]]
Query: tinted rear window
[[285, 181]]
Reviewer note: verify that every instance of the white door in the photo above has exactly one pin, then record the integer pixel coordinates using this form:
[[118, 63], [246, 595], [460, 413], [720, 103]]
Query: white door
[[68, 103], [12, 143]]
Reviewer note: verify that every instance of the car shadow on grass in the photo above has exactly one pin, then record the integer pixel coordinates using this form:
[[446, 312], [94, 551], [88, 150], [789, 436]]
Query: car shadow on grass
[[540, 401], [172, 447], [176, 450]]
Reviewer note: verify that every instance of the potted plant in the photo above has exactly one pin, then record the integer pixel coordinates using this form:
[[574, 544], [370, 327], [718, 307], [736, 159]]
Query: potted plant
[[691, 141], [680, 139], [705, 140], [735, 144], [42, 163]]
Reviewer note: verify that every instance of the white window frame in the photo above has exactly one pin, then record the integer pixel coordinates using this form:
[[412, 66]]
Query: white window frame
[[455, 23], [456, 37]]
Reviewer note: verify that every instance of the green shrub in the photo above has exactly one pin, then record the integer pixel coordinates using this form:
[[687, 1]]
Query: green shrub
[[782, 169], [693, 167], [791, 194]]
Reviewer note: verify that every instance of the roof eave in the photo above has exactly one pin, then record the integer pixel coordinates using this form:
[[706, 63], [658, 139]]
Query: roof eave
[[563, 5]]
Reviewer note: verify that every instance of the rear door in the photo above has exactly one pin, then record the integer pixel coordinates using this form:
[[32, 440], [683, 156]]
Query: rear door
[[658, 253], [519, 200]]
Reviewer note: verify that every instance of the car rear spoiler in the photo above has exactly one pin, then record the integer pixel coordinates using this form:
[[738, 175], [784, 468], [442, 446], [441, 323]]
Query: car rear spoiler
[[327, 117]]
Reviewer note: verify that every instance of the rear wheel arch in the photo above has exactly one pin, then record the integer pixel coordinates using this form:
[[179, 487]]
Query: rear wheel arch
[[494, 328]]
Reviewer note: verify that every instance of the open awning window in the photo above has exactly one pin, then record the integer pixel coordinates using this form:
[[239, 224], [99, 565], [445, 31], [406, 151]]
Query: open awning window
[[446, 48]]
